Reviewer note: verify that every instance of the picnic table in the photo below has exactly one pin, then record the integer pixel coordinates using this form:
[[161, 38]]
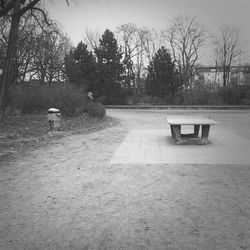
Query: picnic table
[[176, 122]]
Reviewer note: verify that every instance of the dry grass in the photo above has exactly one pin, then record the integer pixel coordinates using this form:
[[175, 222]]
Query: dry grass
[[21, 132]]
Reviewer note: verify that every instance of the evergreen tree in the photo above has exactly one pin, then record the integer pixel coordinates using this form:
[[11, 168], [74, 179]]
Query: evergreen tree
[[80, 66], [161, 79], [110, 68]]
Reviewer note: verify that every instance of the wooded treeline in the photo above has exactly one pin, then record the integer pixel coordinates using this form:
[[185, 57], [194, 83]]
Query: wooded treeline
[[125, 62]]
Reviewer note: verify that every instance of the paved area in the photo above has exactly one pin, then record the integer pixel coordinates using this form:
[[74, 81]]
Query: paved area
[[149, 146]]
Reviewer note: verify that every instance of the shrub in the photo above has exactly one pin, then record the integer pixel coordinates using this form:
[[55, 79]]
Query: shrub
[[29, 99], [245, 94], [214, 99], [96, 109], [245, 101], [118, 98], [230, 95], [134, 99], [202, 94], [102, 99], [70, 100], [147, 99], [196, 96]]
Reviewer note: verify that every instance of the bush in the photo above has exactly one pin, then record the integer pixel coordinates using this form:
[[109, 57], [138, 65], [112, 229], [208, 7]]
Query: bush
[[245, 94], [199, 95], [147, 99], [214, 99], [102, 99], [96, 109], [30, 99], [134, 99], [230, 95], [71, 101], [245, 101], [205, 94]]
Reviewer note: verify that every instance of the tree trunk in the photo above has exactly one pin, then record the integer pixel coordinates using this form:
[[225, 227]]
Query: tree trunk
[[226, 70], [42, 79], [224, 76], [7, 69]]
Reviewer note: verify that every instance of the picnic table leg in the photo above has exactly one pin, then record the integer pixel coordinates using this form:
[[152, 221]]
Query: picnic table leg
[[172, 131], [177, 133], [205, 133], [196, 130]]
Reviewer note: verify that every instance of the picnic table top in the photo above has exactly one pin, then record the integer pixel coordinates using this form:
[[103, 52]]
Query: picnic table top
[[189, 120]]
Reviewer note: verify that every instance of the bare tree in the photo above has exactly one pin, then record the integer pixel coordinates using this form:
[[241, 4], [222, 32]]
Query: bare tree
[[132, 39], [185, 37], [141, 54], [29, 29], [16, 9], [227, 49], [4, 31], [24, 44], [48, 58], [31, 53], [91, 38], [152, 41], [126, 36]]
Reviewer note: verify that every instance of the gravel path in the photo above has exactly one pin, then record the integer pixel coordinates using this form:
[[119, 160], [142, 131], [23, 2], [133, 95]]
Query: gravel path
[[69, 196]]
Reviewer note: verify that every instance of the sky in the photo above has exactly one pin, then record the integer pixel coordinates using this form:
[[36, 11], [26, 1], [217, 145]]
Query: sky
[[98, 15]]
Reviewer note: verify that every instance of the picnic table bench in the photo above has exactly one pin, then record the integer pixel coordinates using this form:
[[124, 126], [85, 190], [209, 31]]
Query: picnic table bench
[[176, 122]]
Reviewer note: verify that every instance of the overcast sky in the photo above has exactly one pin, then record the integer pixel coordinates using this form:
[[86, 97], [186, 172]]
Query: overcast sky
[[108, 14]]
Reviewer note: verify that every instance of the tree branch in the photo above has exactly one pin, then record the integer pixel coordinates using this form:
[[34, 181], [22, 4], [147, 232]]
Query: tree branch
[[6, 8], [28, 7], [44, 16]]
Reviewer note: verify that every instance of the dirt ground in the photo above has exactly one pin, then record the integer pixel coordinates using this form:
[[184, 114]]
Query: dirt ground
[[67, 195]]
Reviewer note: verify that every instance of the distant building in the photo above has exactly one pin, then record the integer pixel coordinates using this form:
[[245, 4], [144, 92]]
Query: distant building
[[238, 75]]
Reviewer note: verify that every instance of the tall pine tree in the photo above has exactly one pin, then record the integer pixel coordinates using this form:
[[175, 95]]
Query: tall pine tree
[[162, 78], [80, 66], [110, 68]]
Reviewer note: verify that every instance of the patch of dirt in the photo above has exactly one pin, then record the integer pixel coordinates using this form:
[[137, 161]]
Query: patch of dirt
[[21, 133], [67, 195]]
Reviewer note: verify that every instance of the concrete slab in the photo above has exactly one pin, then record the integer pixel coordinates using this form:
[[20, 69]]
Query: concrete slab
[[156, 146]]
